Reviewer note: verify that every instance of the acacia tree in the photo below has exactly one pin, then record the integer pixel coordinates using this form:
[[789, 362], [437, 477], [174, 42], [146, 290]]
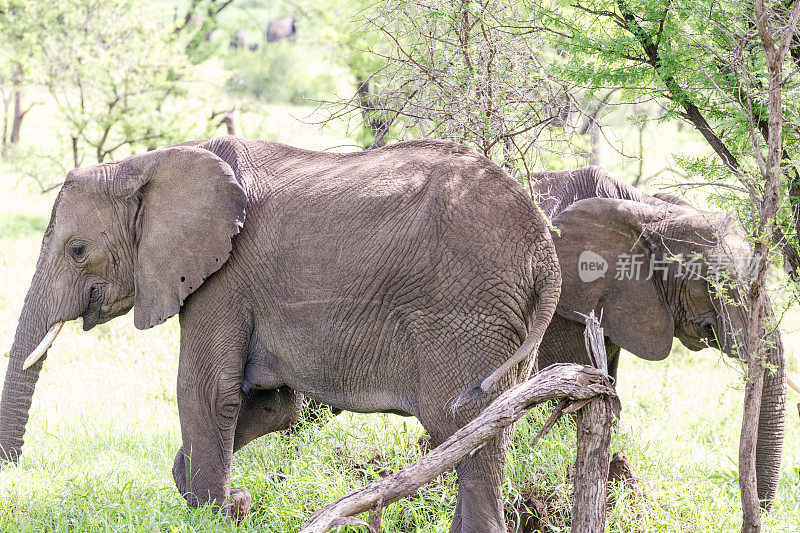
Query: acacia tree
[[15, 61], [198, 22], [703, 62], [115, 70], [342, 24]]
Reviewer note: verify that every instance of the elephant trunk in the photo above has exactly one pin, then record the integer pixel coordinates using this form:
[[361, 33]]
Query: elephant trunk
[[771, 422], [19, 384]]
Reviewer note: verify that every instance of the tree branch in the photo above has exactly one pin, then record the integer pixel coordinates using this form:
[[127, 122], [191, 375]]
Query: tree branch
[[562, 381], [676, 93]]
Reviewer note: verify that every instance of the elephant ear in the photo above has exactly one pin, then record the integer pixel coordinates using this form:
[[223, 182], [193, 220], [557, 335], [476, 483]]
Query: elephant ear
[[191, 205], [596, 235]]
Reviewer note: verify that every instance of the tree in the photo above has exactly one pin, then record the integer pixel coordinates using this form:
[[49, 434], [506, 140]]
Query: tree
[[470, 72], [115, 71], [700, 60], [344, 24], [14, 60], [199, 22]]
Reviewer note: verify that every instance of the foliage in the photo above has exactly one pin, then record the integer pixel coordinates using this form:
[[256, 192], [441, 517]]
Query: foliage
[[202, 17], [344, 26], [471, 72], [704, 63], [276, 73], [115, 72]]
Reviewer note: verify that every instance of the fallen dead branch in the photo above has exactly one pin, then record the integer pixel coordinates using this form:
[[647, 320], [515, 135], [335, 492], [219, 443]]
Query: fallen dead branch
[[574, 383]]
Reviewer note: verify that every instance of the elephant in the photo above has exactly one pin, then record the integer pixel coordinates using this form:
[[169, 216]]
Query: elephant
[[237, 40], [398, 280], [281, 28], [597, 213]]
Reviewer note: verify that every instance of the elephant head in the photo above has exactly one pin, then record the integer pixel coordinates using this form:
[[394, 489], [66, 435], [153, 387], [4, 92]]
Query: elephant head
[[143, 232], [660, 270]]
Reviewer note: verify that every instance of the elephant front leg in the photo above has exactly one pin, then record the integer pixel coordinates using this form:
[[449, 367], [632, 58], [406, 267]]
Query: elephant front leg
[[209, 400]]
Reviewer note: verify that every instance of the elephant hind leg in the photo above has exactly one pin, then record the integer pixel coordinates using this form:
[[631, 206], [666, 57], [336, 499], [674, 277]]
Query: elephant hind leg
[[264, 411], [479, 507]]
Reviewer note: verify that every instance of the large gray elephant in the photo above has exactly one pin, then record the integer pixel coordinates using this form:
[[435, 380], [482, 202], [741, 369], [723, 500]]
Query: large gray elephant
[[597, 213], [390, 280]]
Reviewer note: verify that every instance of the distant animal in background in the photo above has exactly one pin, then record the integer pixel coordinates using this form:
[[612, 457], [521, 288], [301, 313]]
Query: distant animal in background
[[281, 28], [237, 41]]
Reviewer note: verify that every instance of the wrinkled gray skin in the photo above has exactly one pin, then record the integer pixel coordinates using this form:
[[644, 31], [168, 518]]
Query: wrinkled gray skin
[[595, 211], [388, 280]]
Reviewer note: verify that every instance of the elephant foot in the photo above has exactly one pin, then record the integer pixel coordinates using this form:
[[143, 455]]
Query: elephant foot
[[238, 505], [179, 472]]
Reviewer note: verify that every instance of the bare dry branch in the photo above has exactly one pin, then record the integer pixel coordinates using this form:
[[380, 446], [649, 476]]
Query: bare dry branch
[[564, 381]]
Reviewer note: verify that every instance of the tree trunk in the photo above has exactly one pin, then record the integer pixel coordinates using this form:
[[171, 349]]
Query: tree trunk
[[75, 158], [591, 466], [19, 114], [378, 127], [594, 135], [6, 107], [751, 518]]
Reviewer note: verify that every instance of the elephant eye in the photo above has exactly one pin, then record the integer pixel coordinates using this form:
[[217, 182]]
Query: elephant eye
[[77, 251]]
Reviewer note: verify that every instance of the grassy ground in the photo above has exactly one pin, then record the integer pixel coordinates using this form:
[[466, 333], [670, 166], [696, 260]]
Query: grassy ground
[[104, 428]]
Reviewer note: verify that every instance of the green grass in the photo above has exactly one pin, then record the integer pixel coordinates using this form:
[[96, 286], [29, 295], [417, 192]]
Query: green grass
[[104, 427]]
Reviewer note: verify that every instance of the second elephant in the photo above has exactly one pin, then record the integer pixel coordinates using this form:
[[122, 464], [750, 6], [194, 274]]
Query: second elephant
[[645, 297]]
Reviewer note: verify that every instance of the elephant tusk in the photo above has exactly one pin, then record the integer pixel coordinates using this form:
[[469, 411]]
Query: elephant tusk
[[792, 384], [37, 354]]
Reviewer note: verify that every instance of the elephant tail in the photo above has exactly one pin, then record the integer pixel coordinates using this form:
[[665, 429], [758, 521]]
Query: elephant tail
[[525, 356]]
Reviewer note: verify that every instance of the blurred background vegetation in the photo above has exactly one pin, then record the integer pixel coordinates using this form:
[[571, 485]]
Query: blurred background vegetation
[[116, 77], [533, 85]]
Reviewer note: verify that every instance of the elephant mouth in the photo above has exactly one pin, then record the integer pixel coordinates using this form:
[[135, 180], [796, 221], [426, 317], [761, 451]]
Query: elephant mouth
[[691, 344], [697, 336], [697, 344], [98, 312]]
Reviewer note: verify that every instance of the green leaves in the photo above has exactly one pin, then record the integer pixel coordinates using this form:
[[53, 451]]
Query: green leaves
[[114, 69]]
